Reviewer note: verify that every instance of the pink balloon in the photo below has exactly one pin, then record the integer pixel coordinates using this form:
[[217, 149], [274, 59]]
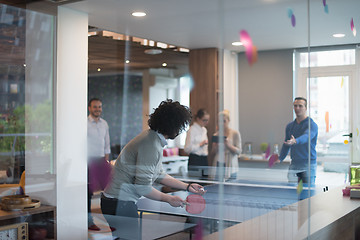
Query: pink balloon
[[324, 3], [247, 43], [352, 24], [245, 39], [293, 20]]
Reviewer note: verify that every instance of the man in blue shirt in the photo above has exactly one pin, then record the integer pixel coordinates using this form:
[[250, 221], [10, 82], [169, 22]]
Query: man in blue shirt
[[297, 140]]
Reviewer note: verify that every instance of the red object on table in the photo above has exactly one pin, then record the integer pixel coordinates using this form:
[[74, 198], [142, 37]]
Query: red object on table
[[273, 159], [196, 204], [346, 190]]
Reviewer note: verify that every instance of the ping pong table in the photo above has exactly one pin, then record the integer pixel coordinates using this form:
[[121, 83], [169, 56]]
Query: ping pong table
[[235, 201], [127, 228]]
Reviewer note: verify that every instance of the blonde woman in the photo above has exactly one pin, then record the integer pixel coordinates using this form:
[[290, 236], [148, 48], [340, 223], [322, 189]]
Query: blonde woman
[[232, 148]]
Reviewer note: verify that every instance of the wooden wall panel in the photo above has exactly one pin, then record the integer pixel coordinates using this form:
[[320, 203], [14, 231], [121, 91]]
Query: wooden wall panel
[[203, 66]]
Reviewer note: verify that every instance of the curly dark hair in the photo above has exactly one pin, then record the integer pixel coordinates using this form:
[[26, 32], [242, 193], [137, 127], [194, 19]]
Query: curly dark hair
[[170, 118], [201, 113]]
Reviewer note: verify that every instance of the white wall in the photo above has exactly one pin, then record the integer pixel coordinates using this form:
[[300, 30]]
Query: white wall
[[71, 124], [231, 88], [265, 97]]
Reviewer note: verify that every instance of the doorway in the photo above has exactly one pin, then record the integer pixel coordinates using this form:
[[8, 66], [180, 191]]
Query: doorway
[[330, 90]]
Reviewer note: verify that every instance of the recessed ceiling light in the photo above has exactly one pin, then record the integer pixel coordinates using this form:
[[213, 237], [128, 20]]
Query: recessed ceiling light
[[339, 35], [99, 69], [127, 61], [237, 44], [139, 14], [164, 64], [153, 51]]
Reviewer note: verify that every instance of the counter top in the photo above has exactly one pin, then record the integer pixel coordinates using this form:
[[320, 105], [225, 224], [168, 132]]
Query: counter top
[[259, 158], [175, 158], [332, 216]]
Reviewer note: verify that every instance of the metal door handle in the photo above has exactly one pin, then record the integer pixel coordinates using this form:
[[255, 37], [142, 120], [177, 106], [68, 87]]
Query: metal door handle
[[348, 135]]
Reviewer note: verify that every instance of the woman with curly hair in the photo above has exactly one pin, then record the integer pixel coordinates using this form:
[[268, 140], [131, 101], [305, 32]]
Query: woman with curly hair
[[139, 164]]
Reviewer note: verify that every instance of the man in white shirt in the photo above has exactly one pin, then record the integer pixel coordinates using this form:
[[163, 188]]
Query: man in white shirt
[[98, 153]]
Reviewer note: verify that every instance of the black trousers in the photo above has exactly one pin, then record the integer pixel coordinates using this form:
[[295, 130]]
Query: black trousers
[[198, 163], [113, 206]]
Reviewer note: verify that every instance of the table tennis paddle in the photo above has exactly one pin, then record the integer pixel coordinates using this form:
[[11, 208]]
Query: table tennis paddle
[[273, 159], [195, 204]]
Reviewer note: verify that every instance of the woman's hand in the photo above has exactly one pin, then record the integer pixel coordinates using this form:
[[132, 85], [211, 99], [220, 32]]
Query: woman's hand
[[196, 188], [203, 143], [176, 201], [227, 144], [232, 148]]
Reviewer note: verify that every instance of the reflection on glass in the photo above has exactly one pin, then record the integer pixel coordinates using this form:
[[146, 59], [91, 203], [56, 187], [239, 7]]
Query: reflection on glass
[[26, 121], [330, 109]]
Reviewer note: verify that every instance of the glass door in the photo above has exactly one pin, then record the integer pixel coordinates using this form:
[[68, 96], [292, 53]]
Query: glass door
[[329, 108], [330, 90]]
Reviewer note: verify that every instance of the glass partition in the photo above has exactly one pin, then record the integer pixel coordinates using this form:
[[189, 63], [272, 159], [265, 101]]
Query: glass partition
[[26, 93], [245, 97], [26, 122], [273, 138]]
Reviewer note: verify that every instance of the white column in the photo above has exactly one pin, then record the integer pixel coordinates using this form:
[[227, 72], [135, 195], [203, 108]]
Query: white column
[[231, 92], [71, 124]]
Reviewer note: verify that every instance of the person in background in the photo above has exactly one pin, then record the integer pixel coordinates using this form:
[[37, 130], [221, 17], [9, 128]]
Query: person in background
[[232, 148], [139, 165], [98, 154], [196, 143], [297, 141]]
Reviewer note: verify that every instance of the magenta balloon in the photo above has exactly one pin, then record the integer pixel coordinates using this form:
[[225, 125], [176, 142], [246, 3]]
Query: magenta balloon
[[293, 20], [245, 39], [247, 42]]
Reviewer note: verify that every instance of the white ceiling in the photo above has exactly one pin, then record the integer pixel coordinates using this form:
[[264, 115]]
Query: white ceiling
[[212, 23]]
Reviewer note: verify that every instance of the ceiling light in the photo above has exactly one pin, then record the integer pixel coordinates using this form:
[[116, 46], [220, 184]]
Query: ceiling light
[[127, 61], [99, 69], [138, 14], [237, 43], [153, 51], [339, 35], [164, 64], [184, 50]]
